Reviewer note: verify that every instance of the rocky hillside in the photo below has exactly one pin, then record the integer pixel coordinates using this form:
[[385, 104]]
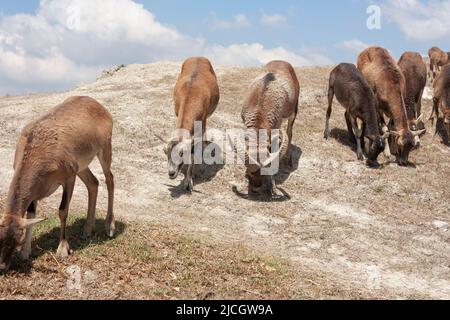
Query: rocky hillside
[[348, 231]]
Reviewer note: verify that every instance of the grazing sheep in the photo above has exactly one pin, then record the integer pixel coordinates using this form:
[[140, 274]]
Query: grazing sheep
[[52, 151], [272, 98], [355, 95], [441, 98], [438, 59], [414, 70], [196, 97], [388, 83]]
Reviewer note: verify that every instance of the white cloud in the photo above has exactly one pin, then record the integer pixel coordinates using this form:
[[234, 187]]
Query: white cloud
[[274, 20], [239, 21], [418, 20], [70, 41], [354, 45], [256, 54], [67, 42]]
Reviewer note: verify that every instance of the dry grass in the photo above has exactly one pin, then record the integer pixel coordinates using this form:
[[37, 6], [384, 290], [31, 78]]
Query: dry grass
[[144, 261]]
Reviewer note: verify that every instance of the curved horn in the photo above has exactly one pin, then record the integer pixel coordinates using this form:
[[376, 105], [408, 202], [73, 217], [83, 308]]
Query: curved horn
[[160, 138], [251, 163], [419, 119], [25, 223], [281, 153], [418, 133], [284, 144]]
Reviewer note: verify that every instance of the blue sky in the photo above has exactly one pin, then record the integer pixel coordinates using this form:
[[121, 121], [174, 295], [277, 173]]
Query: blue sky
[[321, 23], [246, 32]]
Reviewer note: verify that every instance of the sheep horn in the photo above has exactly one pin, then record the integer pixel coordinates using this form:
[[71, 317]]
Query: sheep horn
[[251, 163], [160, 138], [418, 133], [281, 153], [419, 119]]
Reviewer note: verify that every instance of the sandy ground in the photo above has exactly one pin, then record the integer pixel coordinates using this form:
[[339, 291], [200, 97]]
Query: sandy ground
[[349, 231]]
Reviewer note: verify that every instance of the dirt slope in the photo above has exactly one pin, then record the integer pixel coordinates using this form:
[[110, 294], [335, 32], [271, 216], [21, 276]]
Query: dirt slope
[[350, 232]]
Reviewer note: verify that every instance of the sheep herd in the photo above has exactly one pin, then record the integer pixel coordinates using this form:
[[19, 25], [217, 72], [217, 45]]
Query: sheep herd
[[382, 102]]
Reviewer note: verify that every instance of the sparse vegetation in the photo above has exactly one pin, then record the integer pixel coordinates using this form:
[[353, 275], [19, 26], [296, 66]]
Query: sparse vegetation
[[144, 261]]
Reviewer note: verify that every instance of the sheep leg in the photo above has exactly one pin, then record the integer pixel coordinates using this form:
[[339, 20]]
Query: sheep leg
[[434, 110], [290, 134], [349, 126], [357, 126], [26, 249], [384, 129], [188, 183], [275, 191], [63, 248], [330, 106], [91, 184]]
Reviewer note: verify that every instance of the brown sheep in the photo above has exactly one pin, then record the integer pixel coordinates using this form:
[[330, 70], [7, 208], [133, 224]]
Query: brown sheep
[[414, 70], [52, 151], [441, 98], [196, 97], [272, 98], [438, 59], [388, 83], [355, 95]]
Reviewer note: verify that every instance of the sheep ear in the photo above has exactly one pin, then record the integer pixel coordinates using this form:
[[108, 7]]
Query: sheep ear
[[25, 223]]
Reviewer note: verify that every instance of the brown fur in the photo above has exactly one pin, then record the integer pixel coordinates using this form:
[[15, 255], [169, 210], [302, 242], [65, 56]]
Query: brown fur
[[387, 81], [415, 72], [438, 59], [272, 98], [355, 95], [50, 153], [441, 98], [196, 94], [196, 97]]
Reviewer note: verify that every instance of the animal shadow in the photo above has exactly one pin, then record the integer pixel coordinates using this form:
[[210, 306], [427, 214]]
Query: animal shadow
[[342, 136], [262, 197], [49, 241], [285, 169], [202, 173]]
